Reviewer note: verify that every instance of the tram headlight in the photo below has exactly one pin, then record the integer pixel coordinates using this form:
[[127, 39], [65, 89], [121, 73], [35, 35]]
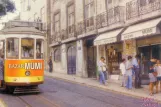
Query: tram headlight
[[27, 73]]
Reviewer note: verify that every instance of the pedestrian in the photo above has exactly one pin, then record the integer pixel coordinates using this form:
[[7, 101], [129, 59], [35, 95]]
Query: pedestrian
[[100, 69], [158, 70], [1, 69], [137, 71], [123, 72], [50, 64], [152, 79], [129, 68], [104, 69]]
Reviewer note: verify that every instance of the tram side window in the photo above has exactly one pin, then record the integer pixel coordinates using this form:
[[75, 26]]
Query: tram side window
[[2, 47], [12, 47], [27, 48], [39, 49]]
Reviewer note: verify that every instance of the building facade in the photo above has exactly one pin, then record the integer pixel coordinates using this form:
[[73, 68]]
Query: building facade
[[84, 30]]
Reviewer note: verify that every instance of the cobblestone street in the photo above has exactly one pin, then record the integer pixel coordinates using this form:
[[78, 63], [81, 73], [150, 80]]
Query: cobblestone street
[[58, 93]]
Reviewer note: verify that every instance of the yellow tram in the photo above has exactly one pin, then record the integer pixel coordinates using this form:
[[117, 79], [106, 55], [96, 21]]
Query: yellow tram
[[23, 50]]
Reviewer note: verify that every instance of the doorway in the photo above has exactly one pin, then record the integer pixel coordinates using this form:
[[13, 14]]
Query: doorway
[[71, 59], [91, 62], [148, 52]]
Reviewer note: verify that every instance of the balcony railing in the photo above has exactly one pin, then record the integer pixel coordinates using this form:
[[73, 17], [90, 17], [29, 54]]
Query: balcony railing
[[135, 8], [56, 37], [112, 16], [71, 31], [90, 24], [80, 28]]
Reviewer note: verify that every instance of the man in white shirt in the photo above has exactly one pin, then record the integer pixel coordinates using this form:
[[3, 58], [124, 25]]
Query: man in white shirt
[[123, 72]]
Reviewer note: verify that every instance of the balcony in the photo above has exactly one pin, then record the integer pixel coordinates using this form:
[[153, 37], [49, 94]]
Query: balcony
[[71, 31], [56, 37], [135, 8], [80, 28], [110, 17], [90, 24]]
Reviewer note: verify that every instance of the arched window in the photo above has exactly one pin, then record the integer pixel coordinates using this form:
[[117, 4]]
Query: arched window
[[57, 55]]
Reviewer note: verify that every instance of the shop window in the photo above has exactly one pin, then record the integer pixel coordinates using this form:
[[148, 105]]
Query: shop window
[[12, 48], [57, 55], [39, 49], [27, 48]]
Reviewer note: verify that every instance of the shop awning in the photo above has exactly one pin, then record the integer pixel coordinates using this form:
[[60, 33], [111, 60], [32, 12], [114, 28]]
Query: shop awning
[[106, 38], [142, 29]]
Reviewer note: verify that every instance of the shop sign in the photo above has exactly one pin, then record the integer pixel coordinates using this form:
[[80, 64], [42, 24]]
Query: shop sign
[[147, 31], [105, 41], [138, 33], [129, 36]]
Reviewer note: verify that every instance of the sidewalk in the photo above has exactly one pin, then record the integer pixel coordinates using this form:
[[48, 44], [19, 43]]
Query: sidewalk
[[2, 103], [112, 85]]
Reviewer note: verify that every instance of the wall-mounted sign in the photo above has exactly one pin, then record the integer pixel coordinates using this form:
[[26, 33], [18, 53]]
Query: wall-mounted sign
[[139, 33]]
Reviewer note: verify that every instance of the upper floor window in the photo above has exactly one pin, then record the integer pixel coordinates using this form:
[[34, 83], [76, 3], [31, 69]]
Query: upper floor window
[[109, 1], [143, 2], [57, 22], [89, 8], [71, 18], [57, 55], [23, 4], [42, 13]]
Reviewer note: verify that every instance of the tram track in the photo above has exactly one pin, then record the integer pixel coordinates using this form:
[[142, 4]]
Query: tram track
[[43, 99]]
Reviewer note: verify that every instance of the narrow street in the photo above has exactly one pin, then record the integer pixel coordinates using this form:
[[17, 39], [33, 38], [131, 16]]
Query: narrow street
[[58, 93]]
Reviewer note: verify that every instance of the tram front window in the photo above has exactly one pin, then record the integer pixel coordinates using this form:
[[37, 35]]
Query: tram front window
[[27, 48], [12, 47]]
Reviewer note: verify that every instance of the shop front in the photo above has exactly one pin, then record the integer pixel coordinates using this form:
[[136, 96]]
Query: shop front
[[149, 48], [143, 39], [109, 46]]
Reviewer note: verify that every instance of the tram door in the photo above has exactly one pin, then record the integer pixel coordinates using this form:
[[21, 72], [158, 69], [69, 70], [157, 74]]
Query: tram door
[[71, 59]]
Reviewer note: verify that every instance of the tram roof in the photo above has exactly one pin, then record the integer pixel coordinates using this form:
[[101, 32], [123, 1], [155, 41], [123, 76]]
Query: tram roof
[[21, 30]]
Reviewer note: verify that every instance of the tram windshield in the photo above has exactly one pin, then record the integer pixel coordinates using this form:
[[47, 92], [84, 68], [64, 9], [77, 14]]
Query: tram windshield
[[12, 47], [27, 48]]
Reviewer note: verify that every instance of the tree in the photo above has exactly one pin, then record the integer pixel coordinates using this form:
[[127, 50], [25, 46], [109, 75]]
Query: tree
[[6, 6]]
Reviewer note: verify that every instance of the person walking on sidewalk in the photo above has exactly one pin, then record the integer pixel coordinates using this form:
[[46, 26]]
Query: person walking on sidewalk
[[123, 72], [129, 68], [104, 69], [158, 70], [136, 68], [50, 64], [100, 69]]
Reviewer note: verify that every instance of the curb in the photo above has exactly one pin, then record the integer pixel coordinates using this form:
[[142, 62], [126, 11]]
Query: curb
[[101, 88]]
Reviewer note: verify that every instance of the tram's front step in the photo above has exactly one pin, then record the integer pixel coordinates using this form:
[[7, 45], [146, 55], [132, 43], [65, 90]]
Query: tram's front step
[[19, 90]]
